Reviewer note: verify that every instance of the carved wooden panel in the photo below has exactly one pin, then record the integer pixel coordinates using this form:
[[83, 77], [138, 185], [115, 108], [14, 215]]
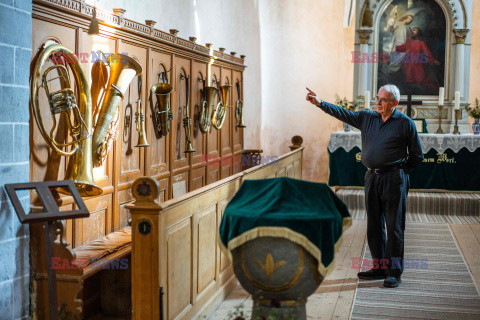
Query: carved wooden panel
[[197, 177], [124, 197], [158, 161], [97, 224], [180, 184], [179, 252], [130, 158], [164, 189], [224, 262], [206, 248]]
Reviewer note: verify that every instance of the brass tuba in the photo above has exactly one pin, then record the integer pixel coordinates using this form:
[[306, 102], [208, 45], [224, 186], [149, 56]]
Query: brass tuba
[[122, 71], [209, 94], [63, 101], [220, 112], [162, 114], [86, 151]]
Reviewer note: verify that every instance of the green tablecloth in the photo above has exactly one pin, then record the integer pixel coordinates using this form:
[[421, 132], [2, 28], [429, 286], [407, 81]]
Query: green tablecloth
[[446, 171], [307, 213]]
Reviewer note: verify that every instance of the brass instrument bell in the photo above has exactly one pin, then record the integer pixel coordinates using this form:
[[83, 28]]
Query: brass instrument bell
[[220, 112], [206, 114], [162, 114]]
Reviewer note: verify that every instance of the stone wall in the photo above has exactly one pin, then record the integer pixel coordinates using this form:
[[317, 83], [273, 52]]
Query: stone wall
[[15, 52]]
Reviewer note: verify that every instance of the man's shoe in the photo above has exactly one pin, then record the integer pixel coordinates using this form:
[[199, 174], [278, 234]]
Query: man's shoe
[[392, 282], [372, 274]]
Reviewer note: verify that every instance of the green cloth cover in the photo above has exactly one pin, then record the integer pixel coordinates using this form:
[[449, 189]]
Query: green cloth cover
[[308, 208]]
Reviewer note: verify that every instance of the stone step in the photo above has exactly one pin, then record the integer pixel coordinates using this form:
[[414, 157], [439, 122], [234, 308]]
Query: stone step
[[435, 203]]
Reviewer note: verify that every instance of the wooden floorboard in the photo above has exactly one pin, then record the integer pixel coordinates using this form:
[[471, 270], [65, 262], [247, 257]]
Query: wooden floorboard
[[468, 240], [334, 298]]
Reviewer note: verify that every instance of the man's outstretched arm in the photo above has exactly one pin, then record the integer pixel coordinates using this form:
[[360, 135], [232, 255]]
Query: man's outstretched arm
[[351, 117]]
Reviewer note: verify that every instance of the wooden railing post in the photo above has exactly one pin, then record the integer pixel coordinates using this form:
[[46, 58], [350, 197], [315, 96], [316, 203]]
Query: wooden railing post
[[147, 238]]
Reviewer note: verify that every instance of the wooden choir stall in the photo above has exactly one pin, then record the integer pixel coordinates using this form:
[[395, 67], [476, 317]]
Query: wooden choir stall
[[185, 151]]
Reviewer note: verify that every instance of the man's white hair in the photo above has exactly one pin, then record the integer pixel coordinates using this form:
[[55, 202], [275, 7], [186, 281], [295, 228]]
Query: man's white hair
[[393, 90]]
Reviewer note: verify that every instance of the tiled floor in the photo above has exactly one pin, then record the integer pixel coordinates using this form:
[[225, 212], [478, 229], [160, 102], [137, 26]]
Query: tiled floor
[[334, 298]]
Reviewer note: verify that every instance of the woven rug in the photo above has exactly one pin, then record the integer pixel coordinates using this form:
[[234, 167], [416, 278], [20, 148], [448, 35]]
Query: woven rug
[[460, 208], [439, 287]]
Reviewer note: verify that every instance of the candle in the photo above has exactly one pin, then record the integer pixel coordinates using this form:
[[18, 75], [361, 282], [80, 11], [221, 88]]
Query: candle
[[367, 100], [441, 96], [457, 100]]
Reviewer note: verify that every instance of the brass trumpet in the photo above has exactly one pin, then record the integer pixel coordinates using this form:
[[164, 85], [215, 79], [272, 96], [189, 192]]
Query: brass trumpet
[[140, 118], [220, 112], [206, 114], [239, 108], [162, 114], [85, 150], [187, 122]]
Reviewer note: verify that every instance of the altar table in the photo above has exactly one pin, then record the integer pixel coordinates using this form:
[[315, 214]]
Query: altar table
[[452, 162]]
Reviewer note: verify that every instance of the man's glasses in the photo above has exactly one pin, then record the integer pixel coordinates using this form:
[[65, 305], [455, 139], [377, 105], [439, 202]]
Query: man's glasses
[[382, 100]]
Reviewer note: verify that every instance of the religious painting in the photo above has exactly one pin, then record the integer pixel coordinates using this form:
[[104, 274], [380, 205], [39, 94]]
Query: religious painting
[[412, 36]]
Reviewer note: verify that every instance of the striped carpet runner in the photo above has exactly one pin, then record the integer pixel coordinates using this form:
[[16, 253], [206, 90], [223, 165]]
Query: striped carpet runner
[[436, 283], [462, 208]]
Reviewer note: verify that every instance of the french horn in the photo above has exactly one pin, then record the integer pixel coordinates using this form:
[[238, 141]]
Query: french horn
[[162, 114], [220, 112], [88, 146], [206, 112]]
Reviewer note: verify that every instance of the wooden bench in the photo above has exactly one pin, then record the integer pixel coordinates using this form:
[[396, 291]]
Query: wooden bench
[[91, 277]]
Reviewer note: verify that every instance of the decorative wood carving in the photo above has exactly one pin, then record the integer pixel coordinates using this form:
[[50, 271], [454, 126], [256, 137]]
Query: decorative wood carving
[[66, 21]]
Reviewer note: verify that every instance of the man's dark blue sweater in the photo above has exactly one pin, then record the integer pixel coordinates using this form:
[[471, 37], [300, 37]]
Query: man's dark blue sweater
[[384, 144]]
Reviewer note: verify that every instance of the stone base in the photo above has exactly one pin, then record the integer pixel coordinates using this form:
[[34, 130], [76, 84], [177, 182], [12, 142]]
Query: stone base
[[279, 310]]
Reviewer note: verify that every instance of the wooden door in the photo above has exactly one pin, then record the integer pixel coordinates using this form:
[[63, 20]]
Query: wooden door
[[180, 160], [130, 163], [225, 134]]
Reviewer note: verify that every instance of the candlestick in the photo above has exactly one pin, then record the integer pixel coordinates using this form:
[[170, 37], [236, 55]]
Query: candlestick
[[367, 100], [439, 130], [441, 96], [455, 128], [457, 100]]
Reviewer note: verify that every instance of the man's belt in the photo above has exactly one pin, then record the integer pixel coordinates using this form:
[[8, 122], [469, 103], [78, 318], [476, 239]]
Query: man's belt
[[387, 169]]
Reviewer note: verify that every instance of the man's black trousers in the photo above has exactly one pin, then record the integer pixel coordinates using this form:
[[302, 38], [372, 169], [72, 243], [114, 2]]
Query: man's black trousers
[[386, 201]]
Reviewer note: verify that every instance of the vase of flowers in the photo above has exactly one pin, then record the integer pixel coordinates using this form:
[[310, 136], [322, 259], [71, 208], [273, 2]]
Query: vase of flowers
[[344, 103], [474, 112]]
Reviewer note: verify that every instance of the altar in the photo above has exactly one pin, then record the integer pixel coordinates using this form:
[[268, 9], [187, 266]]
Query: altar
[[452, 162]]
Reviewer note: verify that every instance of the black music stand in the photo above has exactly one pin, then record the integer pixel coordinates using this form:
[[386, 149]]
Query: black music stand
[[50, 216]]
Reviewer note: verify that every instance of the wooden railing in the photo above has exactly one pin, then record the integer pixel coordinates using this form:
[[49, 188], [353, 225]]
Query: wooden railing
[[174, 244]]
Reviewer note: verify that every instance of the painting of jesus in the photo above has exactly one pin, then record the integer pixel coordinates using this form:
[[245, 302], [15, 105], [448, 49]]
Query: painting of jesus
[[412, 37]]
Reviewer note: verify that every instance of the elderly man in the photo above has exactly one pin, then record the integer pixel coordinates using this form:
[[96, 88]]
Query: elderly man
[[390, 150]]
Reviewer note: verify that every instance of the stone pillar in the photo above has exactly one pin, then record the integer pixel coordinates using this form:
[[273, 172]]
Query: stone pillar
[[364, 35], [460, 35], [16, 52]]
